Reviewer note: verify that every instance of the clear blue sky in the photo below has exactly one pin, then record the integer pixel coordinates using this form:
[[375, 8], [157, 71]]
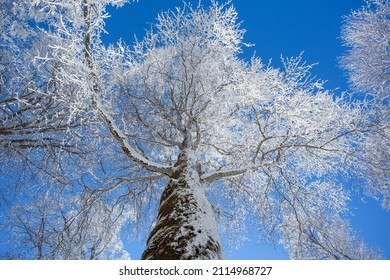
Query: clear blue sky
[[277, 27]]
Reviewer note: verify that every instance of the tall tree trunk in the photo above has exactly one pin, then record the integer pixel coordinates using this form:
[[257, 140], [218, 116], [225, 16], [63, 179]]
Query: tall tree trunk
[[185, 228]]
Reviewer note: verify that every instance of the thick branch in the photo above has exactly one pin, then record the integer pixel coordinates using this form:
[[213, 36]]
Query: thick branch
[[127, 148], [129, 151], [218, 175]]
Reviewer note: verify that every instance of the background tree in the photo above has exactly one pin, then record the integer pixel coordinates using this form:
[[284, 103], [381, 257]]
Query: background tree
[[53, 226], [366, 33], [178, 116]]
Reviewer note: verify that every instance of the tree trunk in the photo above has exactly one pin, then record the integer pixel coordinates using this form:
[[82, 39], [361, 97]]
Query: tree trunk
[[185, 228]]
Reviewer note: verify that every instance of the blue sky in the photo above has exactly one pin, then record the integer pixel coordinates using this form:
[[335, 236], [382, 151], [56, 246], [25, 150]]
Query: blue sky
[[277, 27]]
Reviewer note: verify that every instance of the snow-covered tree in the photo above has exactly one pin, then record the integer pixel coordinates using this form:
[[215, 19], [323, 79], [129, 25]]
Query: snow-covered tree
[[182, 117], [54, 226], [366, 32]]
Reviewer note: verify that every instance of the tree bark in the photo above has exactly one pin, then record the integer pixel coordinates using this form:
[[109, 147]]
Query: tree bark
[[185, 228]]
